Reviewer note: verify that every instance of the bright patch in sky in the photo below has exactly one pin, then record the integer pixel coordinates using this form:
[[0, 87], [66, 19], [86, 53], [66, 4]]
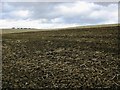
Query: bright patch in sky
[[21, 13]]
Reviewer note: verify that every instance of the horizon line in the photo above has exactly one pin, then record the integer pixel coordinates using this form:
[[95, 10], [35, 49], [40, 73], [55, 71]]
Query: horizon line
[[77, 26]]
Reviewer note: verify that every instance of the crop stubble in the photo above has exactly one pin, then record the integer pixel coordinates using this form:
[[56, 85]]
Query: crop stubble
[[72, 58]]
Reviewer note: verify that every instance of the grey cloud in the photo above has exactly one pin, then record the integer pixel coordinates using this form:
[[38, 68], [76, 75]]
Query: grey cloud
[[40, 9], [46, 10]]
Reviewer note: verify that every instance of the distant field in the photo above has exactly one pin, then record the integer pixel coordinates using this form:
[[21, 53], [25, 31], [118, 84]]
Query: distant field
[[65, 58], [5, 31]]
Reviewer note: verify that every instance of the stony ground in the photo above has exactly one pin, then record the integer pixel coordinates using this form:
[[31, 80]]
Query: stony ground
[[61, 59]]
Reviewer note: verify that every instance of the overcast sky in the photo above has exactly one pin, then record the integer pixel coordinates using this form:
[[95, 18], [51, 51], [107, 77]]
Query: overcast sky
[[57, 14]]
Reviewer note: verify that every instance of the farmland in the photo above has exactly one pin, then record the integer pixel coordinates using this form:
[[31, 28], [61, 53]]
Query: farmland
[[65, 58]]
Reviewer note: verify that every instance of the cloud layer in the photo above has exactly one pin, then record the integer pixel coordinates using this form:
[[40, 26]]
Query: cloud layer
[[56, 14]]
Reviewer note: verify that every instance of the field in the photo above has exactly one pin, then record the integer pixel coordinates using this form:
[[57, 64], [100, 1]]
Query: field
[[65, 58], [6, 31]]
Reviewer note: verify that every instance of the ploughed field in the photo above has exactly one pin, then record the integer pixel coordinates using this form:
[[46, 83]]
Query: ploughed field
[[67, 58]]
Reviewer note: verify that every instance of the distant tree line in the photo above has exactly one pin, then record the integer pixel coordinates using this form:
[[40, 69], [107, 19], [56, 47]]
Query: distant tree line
[[21, 28]]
